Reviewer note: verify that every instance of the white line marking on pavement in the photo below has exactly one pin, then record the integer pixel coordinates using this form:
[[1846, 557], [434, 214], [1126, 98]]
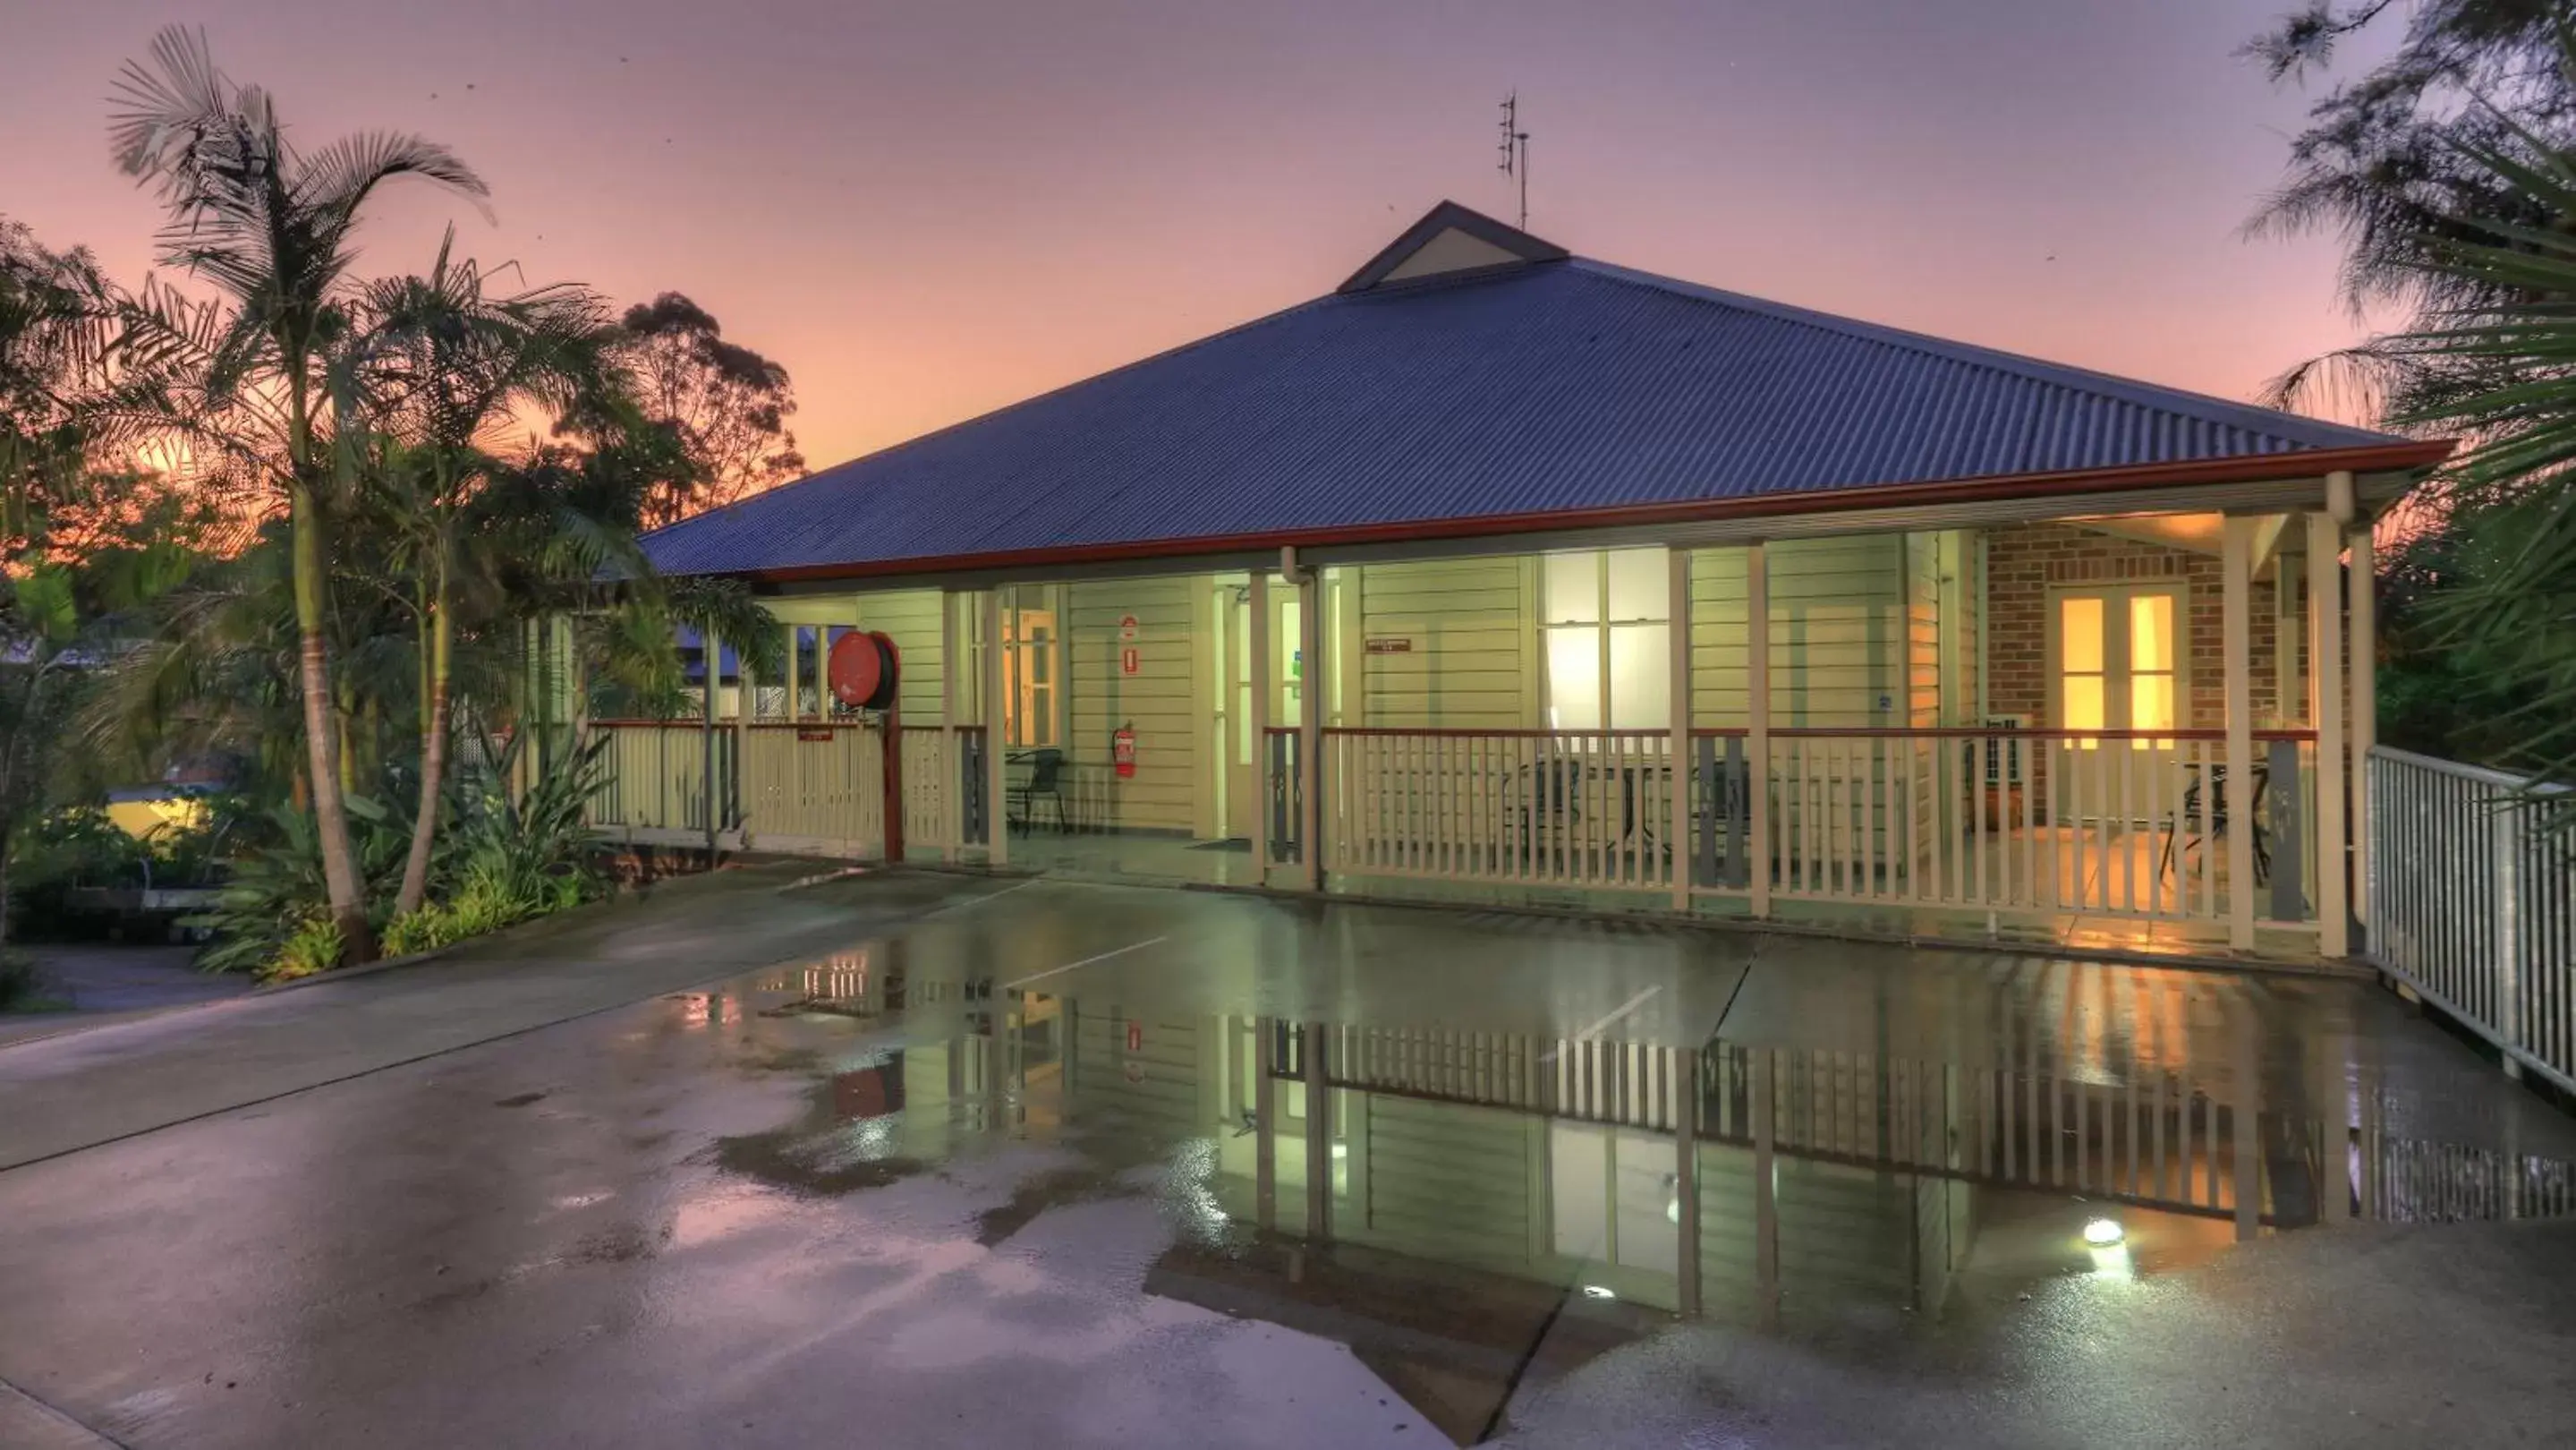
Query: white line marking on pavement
[[1631, 1005], [991, 895], [801, 882], [1087, 961]]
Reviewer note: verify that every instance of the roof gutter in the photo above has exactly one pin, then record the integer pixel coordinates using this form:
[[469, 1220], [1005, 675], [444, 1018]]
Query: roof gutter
[[2408, 456]]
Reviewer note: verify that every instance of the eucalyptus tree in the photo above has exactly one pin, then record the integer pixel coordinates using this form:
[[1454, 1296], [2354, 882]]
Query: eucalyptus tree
[[271, 227]]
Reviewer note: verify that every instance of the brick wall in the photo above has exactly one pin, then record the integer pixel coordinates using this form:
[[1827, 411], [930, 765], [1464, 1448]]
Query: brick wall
[[2024, 564]]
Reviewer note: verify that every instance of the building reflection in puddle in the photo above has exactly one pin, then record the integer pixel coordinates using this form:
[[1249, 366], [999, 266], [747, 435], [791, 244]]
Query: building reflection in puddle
[[1459, 1207]]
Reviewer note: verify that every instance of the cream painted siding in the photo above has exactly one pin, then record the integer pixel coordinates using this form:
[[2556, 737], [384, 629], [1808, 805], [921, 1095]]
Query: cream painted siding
[[1455, 1183], [1165, 1088], [1837, 623], [1467, 630], [911, 619], [1846, 1233], [1162, 701]]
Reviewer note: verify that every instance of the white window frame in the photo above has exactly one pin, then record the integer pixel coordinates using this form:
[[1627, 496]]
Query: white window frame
[[1604, 628], [2117, 673], [1027, 698]]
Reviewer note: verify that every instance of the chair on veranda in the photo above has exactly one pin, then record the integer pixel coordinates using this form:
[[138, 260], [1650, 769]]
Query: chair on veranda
[[2201, 820], [1045, 783]]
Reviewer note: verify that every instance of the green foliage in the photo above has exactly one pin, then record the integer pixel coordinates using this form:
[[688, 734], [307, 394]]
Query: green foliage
[[23, 986], [509, 858], [2499, 581], [2441, 694], [276, 889], [314, 946], [411, 473], [78, 846]]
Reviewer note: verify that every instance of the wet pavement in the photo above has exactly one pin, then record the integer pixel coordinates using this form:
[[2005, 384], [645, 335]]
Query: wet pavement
[[86, 983], [994, 1162]]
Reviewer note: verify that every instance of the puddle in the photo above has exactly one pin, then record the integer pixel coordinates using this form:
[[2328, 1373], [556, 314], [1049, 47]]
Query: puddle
[[1469, 1212]]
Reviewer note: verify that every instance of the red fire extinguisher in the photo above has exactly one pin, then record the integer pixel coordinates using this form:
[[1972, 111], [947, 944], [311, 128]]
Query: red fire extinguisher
[[1122, 751]]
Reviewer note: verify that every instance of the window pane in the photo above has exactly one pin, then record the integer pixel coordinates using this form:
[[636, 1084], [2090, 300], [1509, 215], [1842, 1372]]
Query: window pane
[[1640, 584], [2151, 632], [1641, 678], [2079, 634], [1573, 586], [2151, 702], [1574, 678], [809, 670], [2083, 703]]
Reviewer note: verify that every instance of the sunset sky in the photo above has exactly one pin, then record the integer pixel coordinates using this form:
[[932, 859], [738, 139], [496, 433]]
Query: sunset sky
[[928, 210]]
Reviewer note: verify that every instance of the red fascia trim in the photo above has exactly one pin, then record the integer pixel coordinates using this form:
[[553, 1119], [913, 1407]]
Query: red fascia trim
[[2242, 468]]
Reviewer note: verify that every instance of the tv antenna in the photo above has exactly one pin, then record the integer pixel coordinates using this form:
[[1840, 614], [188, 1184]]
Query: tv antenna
[[1515, 149]]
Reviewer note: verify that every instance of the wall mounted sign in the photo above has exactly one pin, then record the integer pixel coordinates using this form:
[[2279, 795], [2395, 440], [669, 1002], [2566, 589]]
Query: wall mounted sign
[[814, 734], [1127, 660], [1390, 646], [1126, 628]]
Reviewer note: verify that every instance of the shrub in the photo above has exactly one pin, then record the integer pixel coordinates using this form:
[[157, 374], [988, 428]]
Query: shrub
[[276, 890], [504, 857], [314, 946], [23, 985], [528, 853]]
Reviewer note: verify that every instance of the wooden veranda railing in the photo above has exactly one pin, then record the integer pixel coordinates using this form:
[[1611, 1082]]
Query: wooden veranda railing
[[2140, 1133], [2097, 823], [809, 786], [2105, 823], [1578, 808]]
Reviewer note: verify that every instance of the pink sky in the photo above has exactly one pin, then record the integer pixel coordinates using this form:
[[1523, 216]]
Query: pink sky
[[929, 210]]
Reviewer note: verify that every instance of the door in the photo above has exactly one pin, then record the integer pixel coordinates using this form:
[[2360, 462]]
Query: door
[[2117, 665], [1234, 709], [1239, 780]]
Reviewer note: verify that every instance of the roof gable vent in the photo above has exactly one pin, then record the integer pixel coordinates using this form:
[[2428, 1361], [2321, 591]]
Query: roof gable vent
[[1451, 240]]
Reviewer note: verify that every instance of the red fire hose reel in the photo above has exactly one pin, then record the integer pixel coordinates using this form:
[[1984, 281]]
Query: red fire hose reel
[[863, 670]]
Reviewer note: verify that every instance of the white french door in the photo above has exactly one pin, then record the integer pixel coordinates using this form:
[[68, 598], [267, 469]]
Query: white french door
[[2116, 662]]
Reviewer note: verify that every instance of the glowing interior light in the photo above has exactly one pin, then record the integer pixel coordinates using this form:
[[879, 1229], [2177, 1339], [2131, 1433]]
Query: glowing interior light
[[2102, 1233]]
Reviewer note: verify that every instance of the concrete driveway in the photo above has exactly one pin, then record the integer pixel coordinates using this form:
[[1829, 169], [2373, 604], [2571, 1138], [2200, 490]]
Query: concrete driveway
[[916, 1159]]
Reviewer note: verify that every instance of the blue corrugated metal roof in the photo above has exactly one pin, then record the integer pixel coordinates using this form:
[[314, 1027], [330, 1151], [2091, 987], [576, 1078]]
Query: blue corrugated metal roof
[[1556, 386]]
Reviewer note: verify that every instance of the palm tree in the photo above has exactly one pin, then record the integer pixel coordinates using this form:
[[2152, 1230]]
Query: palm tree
[[57, 314], [2511, 498], [447, 369], [271, 227]]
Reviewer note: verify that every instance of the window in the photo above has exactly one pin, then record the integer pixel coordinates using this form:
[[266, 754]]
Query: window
[[1604, 621], [1029, 658], [807, 667], [2119, 659]]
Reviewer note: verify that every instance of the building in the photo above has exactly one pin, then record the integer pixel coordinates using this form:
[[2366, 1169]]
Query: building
[[1449, 575]]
